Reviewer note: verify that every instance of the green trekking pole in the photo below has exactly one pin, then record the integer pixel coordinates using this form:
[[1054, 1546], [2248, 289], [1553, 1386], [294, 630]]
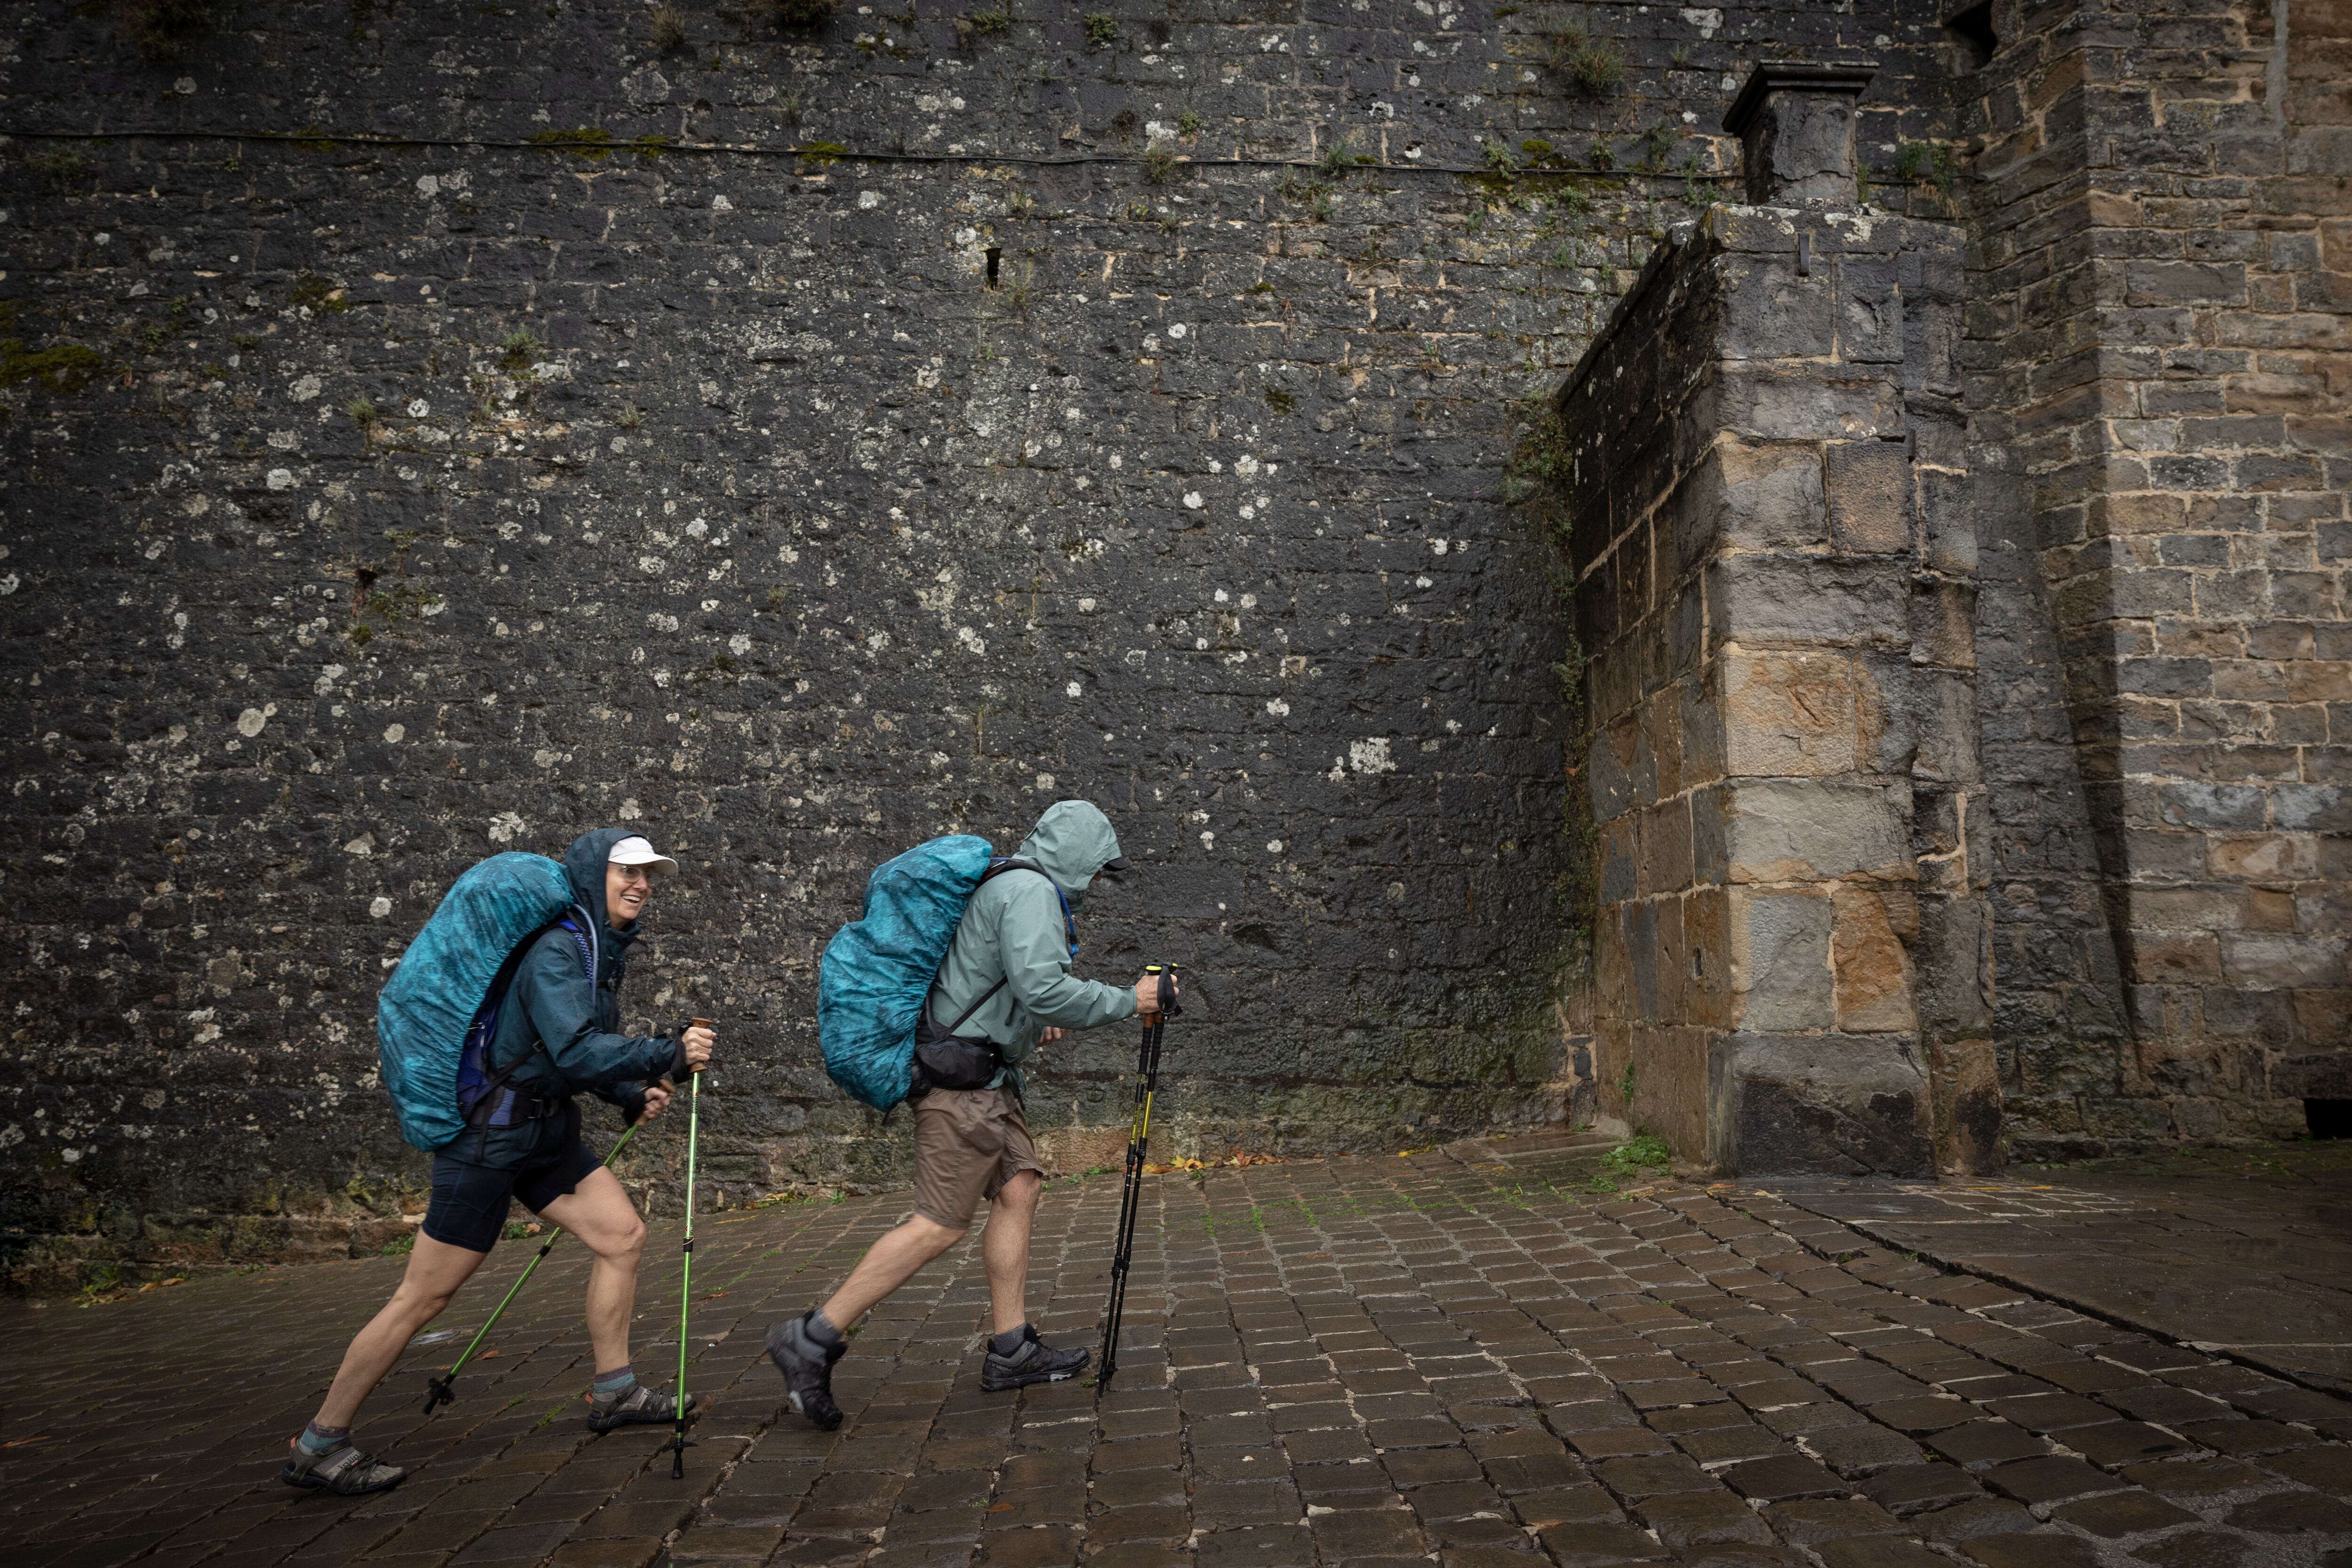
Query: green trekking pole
[[441, 1394], [680, 1443]]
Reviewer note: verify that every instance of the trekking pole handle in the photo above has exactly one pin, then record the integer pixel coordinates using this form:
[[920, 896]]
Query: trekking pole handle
[[700, 1024]]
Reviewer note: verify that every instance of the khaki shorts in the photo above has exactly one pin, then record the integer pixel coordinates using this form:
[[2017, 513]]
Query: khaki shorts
[[967, 1143]]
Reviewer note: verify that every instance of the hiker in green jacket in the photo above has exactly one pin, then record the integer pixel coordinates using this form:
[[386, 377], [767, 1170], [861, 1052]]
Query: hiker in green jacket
[[1006, 988]]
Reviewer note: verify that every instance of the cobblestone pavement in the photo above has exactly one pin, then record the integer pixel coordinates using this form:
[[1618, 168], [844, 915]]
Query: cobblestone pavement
[[2259, 1271], [1467, 1357]]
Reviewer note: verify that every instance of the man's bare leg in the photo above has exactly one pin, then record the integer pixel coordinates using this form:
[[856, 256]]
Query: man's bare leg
[[888, 1264], [1004, 1247]]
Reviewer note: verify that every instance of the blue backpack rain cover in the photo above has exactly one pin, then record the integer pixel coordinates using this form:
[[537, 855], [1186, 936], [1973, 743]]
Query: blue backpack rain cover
[[429, 1004], [877, 972]]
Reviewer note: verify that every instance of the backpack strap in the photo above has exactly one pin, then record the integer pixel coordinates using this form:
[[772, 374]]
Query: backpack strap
[[495, 1097], [1001, 864], [997, 867]]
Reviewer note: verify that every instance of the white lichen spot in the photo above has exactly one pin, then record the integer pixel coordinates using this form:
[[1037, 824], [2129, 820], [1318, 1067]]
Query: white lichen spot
[[378, 907], [393, 734], [972, 640], [418, 408], [1045, 781], [721, 205], [428, 185], [1706, 21], [1370, 756], [1074, 690], [868, 200], [1277, 706], [1273, 846], [506, 826], [249, 722], [1209, 841], [1192, 501], [282, 478], [631, 810], [308, 387], [1085, 606], [738, 644]]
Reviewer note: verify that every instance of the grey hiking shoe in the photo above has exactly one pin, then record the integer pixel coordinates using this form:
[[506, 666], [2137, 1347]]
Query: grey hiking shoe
[[806, 1362], [1035, 1361], [639, 1406], [342, 1469]]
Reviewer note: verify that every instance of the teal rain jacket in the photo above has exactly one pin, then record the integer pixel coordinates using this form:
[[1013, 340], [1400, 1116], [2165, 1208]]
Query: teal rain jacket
[[552, 1000], [1013, 931]]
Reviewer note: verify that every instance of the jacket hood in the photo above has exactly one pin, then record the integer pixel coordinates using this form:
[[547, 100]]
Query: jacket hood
[[1070, 843], [583, 863]]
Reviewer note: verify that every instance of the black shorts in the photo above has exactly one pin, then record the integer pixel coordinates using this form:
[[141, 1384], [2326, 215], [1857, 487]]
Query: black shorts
[[469, 1202]]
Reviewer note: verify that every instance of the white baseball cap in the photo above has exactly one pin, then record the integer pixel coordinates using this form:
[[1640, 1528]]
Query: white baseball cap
[[639, 852]]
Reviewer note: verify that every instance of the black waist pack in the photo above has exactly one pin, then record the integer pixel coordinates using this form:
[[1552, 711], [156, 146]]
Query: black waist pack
[[943, 1061]]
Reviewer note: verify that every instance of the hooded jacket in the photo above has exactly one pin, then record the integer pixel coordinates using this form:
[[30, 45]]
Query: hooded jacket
[[1013, 931], [552, 1000]]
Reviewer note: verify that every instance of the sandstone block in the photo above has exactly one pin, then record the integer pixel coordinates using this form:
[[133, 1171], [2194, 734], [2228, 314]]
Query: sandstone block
[[1867, 485], [1760, 403], [1769, 312], [1707, 933], [1869, 965], [1944, 623], [1760, 496], [1967, 1112], [1806, 601], [2155, 958], [1819, 1104], [2261, 857], [1948, 522], [1791, 714], [1816, 830], [1779, 968], [2272, 958], [1953, 969], [1664, 848], [1670, 1086], [1946, 704]]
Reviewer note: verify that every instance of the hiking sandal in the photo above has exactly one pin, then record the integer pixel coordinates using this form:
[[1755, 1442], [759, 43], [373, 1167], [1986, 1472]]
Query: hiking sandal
[[343, 1470], [640, 1406]]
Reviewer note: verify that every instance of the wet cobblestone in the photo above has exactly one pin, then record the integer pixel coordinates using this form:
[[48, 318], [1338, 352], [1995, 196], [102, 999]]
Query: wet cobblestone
[[1449, 1358]]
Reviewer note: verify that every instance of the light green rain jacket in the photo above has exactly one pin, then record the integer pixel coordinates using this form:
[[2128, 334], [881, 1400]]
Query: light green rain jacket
[[1013, 931]]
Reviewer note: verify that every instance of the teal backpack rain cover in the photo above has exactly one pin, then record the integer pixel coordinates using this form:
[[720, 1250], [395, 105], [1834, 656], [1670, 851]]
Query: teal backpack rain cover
[[442, 981], [877, 972]]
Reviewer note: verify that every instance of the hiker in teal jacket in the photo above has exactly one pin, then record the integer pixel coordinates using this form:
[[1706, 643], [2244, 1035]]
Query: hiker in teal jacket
[[1005, 989], [557, 1034]]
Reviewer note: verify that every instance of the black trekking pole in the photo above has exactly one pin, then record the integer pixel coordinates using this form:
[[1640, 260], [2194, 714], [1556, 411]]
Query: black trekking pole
[[1139, 1138], [680, 1442], [441, 1387]]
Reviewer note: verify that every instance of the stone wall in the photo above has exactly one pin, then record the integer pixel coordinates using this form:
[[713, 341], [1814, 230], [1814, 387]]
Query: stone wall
[[2157, 389], [1776, 557], [432, 437]]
